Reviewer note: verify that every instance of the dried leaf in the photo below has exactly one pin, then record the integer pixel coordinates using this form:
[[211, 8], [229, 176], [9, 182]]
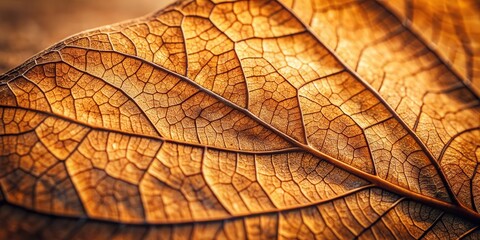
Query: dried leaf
[[249, 119], [450, 28]]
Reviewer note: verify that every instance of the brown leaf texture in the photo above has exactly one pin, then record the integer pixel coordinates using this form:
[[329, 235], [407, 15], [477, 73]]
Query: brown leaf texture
[[450, 28], [248, 119]]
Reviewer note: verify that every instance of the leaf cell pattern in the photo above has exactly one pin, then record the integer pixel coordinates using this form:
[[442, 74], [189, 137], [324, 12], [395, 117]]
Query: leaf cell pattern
[[246, 119]]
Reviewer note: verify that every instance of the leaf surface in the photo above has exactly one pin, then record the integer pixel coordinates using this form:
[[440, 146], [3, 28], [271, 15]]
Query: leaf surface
[[248, 119], [450, 29]]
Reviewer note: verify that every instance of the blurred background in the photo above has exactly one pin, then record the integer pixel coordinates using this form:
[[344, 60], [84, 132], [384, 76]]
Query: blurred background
[[29, 26]]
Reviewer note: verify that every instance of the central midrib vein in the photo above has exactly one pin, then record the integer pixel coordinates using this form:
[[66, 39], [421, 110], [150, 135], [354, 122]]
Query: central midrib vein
[[455, 209], [383, 101]]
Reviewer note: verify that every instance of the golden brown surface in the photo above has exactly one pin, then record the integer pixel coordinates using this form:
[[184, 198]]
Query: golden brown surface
[[253, 119], [450, 28]]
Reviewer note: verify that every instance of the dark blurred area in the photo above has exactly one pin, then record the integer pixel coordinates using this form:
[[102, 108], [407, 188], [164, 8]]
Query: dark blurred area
[[29, 26]]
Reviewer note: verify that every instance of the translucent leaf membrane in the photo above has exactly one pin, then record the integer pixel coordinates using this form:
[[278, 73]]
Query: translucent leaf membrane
[[424, 92], [249, 119], [451, 28]]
